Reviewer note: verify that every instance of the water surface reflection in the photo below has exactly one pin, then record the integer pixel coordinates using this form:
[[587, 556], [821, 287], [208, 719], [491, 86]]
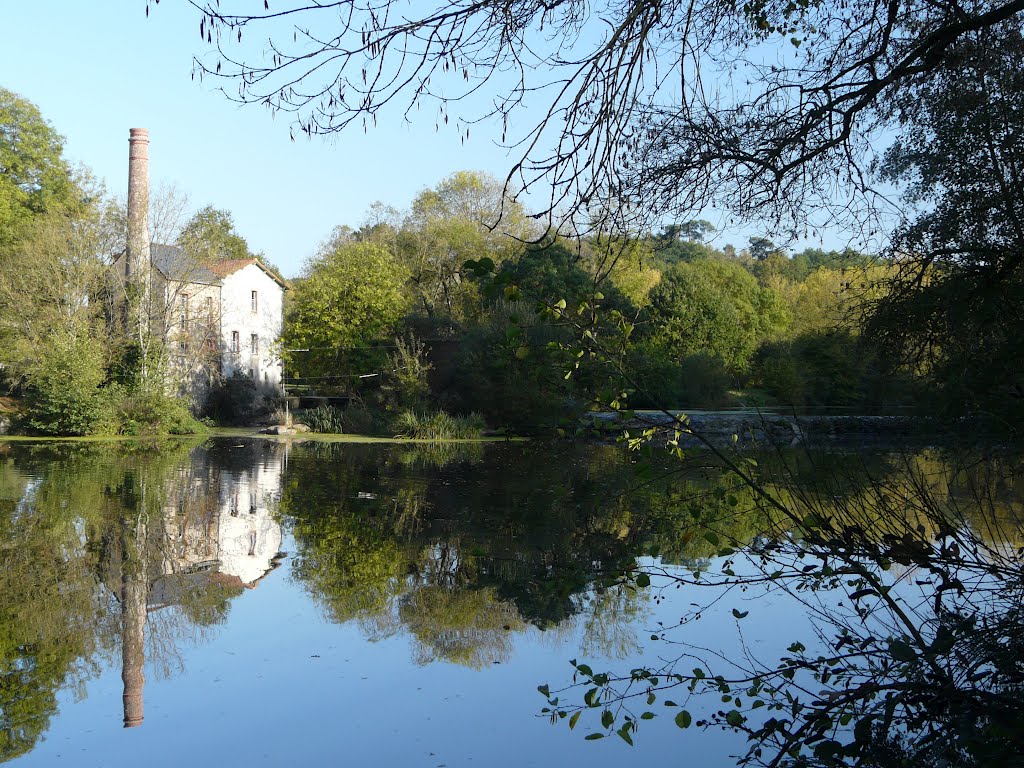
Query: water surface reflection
[[120, 565]]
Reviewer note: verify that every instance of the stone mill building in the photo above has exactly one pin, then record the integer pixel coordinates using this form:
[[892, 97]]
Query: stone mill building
[[214, 318]]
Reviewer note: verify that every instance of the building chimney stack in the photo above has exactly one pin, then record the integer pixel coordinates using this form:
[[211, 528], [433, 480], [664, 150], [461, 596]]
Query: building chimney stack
[[137, 262]]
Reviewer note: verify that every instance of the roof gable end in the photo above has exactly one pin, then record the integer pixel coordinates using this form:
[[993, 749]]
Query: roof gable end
[[230, 266]]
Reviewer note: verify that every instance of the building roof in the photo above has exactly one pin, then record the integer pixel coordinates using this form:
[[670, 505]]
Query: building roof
[[174, 264], [230, 266]]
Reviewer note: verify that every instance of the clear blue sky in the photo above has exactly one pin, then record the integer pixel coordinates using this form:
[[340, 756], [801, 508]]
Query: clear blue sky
[[97, 68]]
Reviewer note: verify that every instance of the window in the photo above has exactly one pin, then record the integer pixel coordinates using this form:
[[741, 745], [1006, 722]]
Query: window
[[253, 373], [209, 307], [254, 344], [184, 311], [255, 299], [236, 342]]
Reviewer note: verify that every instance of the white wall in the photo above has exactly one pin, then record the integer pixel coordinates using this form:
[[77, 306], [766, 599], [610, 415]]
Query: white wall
[[248, 536], [237, 317]]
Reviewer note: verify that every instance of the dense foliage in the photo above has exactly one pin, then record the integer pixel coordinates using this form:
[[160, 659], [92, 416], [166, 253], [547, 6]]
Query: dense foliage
[[433, 310]]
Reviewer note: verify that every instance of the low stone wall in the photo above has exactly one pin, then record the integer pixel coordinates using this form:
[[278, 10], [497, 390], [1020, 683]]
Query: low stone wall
[[751, 426]]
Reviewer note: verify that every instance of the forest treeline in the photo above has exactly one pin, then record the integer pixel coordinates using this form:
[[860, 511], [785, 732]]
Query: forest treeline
[[460, 313], [460, 304]]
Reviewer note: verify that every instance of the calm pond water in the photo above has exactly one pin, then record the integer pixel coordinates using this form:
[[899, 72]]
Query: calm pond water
[[252, 602]]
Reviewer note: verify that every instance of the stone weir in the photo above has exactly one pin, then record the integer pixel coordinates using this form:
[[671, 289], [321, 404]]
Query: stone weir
[[775, 428]]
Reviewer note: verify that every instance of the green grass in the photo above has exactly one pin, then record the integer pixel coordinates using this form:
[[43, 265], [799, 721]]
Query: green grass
[[438, 426]]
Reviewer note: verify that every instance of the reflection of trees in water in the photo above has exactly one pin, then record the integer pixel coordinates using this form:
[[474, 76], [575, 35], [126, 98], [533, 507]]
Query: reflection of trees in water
[[465, 626], [911, 583], [463, 555], [535, 534], [107, 553], [48, 602], [610, 618]]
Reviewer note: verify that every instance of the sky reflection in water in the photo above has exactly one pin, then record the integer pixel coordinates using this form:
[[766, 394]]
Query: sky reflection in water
[[334, 603]]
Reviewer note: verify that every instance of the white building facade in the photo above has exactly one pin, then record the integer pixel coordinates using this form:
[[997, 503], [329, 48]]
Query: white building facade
[[251, 320]]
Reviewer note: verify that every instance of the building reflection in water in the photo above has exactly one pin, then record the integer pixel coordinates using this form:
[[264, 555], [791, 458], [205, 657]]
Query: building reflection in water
[[217, 534]]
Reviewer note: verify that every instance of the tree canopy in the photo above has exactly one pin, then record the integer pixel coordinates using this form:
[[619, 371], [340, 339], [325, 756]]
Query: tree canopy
[[351, 295], [34, 176], [210, 236], [714, 307]]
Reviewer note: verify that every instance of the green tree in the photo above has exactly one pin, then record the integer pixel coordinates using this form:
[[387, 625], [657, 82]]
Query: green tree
[[54, 338], [761, 248], [34, 176], [672, 245], [954, 310], [51, 282], [715, 308], [64, 394], [210, 236], [466, 216], [351, 295]]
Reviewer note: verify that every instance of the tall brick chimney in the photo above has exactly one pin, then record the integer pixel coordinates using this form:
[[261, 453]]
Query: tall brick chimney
[[137, 264], [134, 593]]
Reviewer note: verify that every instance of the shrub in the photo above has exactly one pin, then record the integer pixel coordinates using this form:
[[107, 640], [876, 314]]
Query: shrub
[[156, 413], [360, 420], [406, 384], [511, 369], [64, 393], [237, 400], [325, 419], [817, 369], [696, 381]]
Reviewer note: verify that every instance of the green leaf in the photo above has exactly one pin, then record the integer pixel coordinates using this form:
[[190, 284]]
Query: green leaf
[[624, 734], [522, 352], [544, 689], [944, 641], [812, 521], [683, 719], [643, 580], [574, 719], [901, 651], [734, 718], [593, 736], [740, 614], [711, 538], [647, 716], [607, 718], [862, 593]]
